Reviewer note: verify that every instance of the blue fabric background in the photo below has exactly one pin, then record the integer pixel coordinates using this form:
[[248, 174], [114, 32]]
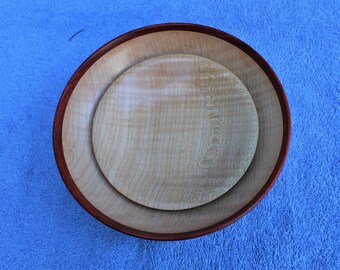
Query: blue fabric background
[[296, 226]]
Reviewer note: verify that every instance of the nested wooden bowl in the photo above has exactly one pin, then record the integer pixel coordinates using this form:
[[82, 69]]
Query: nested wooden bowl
[[171, 131]]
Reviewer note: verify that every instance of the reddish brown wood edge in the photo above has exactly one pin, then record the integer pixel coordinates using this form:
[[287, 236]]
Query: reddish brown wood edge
[[59, 116]]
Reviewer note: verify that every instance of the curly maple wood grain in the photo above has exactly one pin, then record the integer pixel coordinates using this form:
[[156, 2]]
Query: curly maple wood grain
[[74, 118], [175, 132]]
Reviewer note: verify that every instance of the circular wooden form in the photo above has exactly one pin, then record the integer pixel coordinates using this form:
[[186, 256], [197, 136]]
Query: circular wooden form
[[75, 111], [175, 132]]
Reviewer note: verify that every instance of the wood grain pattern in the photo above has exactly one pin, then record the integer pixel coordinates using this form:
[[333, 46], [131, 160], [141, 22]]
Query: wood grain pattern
[[75, 110], [175, 132], [79, 113]]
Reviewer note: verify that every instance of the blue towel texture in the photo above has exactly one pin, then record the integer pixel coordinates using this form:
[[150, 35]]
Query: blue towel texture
[[296, 226]]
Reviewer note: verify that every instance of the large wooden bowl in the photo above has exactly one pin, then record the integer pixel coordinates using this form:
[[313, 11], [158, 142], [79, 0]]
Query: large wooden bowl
[[129, 176]]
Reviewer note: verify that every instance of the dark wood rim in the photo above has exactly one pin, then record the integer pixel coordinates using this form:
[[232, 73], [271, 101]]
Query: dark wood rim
[[59, 116]]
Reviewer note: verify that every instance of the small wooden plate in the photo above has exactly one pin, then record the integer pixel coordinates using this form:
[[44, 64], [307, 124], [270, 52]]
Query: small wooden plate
[[175, 132], [72, 134]]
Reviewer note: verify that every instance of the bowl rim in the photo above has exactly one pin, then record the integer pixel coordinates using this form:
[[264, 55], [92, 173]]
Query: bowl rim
[[60, 111]]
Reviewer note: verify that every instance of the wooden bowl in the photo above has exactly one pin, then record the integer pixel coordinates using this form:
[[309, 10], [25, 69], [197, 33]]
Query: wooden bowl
[[176, 117]]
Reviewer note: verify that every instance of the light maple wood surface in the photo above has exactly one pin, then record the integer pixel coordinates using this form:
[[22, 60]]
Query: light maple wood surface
[[77, 125], [175, 132]]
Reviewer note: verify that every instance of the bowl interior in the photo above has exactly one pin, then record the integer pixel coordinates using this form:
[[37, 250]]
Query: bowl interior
[[81, 97]]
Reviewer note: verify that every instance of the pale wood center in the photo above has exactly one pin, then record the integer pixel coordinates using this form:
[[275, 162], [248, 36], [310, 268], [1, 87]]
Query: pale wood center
[[175, 132]]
